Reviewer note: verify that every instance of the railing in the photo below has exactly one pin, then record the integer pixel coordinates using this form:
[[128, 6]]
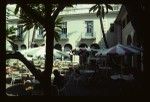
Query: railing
[[63, 36], [86, 36]]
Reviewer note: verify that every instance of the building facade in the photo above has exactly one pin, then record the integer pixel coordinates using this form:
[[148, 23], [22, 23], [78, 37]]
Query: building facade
[[79, 28], [124, 33]]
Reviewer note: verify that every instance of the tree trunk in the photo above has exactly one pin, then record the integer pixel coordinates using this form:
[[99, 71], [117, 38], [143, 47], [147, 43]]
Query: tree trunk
[[49, 27], [102, 28], [29, 65]]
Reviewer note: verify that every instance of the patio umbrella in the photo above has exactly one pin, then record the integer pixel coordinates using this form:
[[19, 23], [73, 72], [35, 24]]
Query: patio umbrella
[[41, 52], [135, 47], [8, 46], [120, 49], [77, 50], [101, 52]]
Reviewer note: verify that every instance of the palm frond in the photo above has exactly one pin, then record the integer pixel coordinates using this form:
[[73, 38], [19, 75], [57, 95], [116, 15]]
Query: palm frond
[[16, 10], [27, 27], [93, 8], [57, 36], [98, 13], [103, 13], [59, 20], [109, 7]]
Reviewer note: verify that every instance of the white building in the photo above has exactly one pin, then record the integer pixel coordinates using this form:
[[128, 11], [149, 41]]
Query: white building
[[80, 28]]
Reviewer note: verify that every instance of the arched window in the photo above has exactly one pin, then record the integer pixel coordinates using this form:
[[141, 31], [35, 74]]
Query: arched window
[[67, 49], [129, 40], [23, 46]]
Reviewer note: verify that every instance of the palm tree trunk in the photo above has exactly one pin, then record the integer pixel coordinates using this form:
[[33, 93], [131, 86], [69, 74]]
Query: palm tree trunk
[[49, 27], [102, 28]]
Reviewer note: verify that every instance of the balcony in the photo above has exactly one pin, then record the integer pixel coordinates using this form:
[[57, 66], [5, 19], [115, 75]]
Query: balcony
[[63, 37], [39, 37], [85, 36], [18, 38]]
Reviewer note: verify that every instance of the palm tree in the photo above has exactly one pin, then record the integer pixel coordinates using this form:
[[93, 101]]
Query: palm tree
[[47, 20], [30, 23], [100, 12]]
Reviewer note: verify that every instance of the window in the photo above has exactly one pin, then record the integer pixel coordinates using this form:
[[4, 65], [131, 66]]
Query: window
[[40, 34], [20, 31], [64, 30], [89, 28], [40, 31]]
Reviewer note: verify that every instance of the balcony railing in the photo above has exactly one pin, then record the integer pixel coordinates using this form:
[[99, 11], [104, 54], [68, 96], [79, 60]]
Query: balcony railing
[[88, 36], [63, 36]]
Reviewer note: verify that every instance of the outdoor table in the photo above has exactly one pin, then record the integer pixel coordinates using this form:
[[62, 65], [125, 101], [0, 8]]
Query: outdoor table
[[87, 71], [121, 76]]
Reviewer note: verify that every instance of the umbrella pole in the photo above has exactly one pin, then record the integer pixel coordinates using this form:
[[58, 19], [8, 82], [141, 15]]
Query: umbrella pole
[[121, 66]]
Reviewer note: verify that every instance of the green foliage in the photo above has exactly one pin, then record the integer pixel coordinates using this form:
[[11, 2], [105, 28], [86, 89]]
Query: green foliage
[[10, 31], [100, 9], [29, 23]]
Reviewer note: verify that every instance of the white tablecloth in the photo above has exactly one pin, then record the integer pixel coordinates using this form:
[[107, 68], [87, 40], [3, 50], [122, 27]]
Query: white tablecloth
[[121, 76]]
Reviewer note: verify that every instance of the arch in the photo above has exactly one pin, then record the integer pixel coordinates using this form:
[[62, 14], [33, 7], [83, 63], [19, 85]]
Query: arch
[[67, 47], [58, 47], [129, 40], [35, 45], [83, 45], [95, 46], [23, 46]]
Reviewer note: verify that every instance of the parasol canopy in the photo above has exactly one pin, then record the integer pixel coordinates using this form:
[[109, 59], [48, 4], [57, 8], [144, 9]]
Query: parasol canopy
[[41, 52], [120, 49]]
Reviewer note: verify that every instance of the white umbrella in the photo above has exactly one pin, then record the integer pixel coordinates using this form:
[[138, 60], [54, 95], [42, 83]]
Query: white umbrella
[[120, 49], [41, 52], [8, 46], [101, 52]]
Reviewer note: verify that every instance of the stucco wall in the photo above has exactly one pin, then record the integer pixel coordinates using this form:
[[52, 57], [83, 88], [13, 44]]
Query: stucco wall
[[128, 30]]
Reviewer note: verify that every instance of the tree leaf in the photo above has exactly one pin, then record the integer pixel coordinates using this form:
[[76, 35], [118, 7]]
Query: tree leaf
[[93, 8], [98, 13], [16, 9], [57, 36], [106, 8], [109, 7], [103, 13]]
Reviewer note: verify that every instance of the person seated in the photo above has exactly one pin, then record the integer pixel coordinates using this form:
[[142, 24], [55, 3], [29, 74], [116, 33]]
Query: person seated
[[59, 80], [28, 87]]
